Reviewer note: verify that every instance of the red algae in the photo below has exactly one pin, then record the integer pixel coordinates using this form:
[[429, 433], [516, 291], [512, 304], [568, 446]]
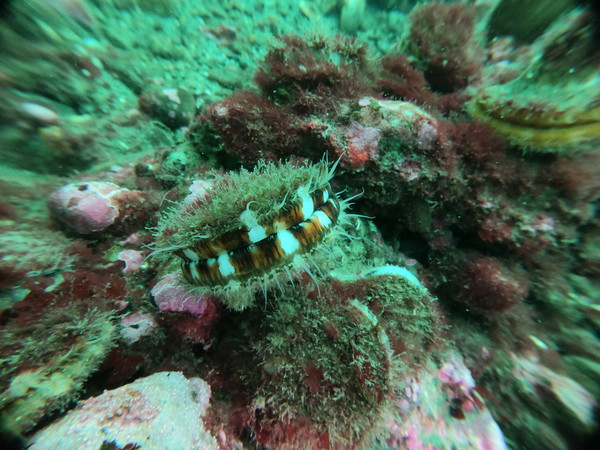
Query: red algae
[[446, 45], [403, 82], [485, 286]]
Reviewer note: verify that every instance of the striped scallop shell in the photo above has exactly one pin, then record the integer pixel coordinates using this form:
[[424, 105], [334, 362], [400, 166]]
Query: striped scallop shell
[[252, 224]]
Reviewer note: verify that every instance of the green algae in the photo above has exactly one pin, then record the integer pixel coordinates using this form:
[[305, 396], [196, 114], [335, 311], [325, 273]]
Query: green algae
[[60, 352]]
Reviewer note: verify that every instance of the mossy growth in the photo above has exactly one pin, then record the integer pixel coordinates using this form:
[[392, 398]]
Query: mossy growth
[[43, 367], [49, 254], [332, 355]]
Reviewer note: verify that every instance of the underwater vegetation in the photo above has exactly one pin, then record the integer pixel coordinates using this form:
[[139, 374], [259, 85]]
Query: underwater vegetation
[[52, 342], [279, 236]]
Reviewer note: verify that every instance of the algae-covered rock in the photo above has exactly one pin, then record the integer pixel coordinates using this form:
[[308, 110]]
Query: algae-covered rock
[[47, 366], [163, 410], [332, 354]]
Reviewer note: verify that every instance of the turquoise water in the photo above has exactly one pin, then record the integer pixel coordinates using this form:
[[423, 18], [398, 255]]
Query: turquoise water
[[312, 224]]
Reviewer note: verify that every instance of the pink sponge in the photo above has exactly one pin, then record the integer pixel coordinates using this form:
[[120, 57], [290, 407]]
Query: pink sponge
[[88, 208]]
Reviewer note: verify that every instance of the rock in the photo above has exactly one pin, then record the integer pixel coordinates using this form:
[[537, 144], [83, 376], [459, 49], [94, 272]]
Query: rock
[[137, 325], [133, 259], [163, 410], [441, 404], [173, 107], [400, 120], [171, 294], [90, 208]]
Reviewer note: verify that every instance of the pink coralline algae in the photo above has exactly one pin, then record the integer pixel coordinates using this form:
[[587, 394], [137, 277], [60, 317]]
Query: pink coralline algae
[[163, 410], [459, 384], [134, 239], [408, 170], [363, 145], [133, 259], [171, 294], [89, 208], [137, 325], [441, 405]]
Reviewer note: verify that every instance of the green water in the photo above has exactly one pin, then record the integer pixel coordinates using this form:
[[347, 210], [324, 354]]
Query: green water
[[343, 223]]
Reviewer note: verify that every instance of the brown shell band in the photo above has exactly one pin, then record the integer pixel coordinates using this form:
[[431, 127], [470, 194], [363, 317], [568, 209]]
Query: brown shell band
[[237, 255]]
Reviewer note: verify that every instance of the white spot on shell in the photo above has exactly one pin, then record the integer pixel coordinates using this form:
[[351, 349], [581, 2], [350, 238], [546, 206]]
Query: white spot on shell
[[257, 233], [225, 266], [308, 207], [323, 218], [279, 225], [194, 272], [40, 113], [172, 94], [365, 101], [190, 254], [248, 218], [289, 244]]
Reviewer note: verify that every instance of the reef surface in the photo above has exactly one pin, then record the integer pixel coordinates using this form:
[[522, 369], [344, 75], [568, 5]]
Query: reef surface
[[315, 224]]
